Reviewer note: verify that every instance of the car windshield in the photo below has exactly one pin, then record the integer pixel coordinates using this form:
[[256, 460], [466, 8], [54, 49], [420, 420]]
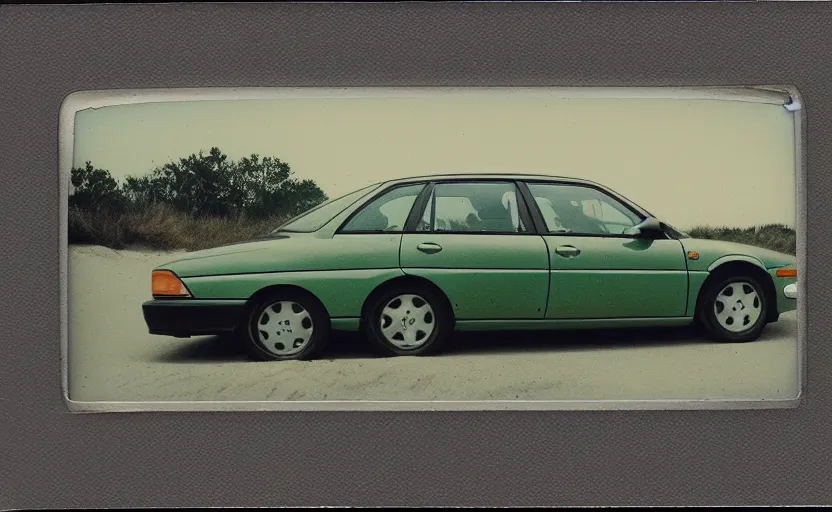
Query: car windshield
[[315, 218]]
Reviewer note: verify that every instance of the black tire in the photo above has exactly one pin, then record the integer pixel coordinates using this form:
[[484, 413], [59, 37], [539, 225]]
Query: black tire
[[251, 331], [441, 319], [707, 318]]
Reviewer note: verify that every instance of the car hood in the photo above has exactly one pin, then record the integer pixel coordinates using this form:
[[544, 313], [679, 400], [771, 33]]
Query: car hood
[[711, 250], [275, 253], [295, 252], [232, 248]]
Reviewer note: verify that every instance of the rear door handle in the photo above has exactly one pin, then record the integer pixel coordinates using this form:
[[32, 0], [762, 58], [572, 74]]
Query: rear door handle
[[429, 248], [568, 251]]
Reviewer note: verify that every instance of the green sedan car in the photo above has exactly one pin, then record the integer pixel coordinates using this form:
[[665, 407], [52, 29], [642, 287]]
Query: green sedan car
[[409, 261]]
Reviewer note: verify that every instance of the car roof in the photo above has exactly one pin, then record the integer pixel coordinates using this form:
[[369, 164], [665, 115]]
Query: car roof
[[510, 176], [488, 176]]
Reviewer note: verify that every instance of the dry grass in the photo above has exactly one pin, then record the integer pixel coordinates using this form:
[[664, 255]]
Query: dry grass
[[162, 228], [775, 237]]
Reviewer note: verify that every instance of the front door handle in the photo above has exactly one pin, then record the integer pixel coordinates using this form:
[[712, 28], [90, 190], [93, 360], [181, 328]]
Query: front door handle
[[429, 248], [568, 251]]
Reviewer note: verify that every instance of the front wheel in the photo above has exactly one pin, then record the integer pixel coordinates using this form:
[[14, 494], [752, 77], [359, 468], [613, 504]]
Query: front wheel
[[408, 320], [286, 326], [734, 309]]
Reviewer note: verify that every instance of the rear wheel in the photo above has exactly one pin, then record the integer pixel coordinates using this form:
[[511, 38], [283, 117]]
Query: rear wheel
[[408, 320], [286, 326], [734, 309]]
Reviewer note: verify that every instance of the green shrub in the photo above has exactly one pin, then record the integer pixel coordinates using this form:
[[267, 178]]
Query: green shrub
[[200, 201]]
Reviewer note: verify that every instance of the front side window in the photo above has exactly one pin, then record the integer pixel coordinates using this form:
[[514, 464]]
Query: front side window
[[581, 210], [473, 208], [387, 212]]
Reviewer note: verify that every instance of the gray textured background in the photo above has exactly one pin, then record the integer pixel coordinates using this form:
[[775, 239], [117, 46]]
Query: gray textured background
[[52, 458]]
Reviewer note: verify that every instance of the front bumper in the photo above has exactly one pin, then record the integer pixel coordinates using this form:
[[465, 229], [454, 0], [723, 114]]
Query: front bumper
[[785, 293], [183, 318]]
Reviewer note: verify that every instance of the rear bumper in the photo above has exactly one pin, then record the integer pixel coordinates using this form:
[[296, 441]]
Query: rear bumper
[[183, 318]]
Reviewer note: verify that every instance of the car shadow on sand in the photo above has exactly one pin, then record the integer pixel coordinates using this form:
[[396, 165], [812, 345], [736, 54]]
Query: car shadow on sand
[[217, 349], [345, 345]]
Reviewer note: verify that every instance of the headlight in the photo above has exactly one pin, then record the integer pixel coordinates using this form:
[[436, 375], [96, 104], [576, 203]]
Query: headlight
[[166, 284]]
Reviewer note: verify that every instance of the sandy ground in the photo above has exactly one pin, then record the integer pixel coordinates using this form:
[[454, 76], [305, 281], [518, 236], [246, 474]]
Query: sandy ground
[[113, 358]]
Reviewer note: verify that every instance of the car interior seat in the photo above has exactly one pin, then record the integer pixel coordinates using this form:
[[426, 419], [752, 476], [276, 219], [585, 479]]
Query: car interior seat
[[494, 216]]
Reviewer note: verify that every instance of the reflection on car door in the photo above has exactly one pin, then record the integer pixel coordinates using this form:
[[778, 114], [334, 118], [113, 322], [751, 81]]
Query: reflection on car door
[[596, 271], [473, 243]]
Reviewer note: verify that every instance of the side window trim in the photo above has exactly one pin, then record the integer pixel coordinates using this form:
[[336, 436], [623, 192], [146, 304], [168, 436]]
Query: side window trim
[[433, 208], [534, 210], [523, 211], [418, 209], [540, 223], [371, 200]]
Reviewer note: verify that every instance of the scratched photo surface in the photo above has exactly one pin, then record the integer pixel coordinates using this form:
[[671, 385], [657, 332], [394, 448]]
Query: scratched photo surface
[[462, 245]]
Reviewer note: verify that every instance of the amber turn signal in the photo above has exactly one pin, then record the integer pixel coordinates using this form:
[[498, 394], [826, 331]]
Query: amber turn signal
[[166, 284], [786, 272], [693, 255]]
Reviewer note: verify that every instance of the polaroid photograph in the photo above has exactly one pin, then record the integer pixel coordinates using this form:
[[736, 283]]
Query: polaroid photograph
[[432, 248]]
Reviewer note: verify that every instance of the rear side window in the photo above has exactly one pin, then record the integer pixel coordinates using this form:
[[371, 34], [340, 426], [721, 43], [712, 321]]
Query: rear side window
[[386, 213]]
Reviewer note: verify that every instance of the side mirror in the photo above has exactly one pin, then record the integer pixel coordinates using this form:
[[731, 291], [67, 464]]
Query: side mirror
[[650, 224]]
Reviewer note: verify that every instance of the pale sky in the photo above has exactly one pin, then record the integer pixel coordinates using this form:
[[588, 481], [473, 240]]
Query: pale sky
[[690, 162]]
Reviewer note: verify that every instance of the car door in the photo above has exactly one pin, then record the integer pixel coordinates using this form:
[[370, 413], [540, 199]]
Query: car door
[[371, 236], [474, 242], [597, 271]]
